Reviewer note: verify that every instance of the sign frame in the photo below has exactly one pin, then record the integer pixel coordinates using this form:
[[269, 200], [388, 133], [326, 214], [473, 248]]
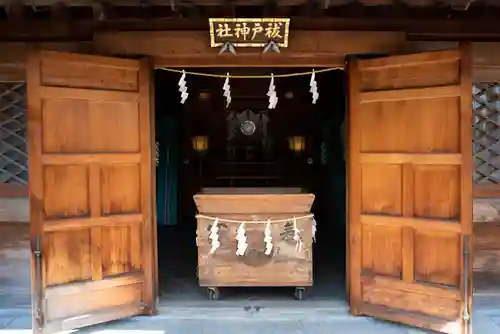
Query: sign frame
[[282, 44]]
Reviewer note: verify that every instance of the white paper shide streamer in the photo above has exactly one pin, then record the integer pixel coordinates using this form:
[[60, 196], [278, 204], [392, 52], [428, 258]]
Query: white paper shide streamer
[[214, 236], [268, 239], [314, 88], [242, 240], [183, 88], [241, 237], [314, 229], [157, 153], [273, 98], [296, 236], [227, 91]]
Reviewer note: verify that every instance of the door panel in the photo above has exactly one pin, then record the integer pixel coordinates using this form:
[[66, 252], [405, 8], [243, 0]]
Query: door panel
[[90, 163], [410, 189]]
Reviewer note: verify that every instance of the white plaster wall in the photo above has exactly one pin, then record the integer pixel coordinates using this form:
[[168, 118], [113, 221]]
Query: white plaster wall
[[14, 209]]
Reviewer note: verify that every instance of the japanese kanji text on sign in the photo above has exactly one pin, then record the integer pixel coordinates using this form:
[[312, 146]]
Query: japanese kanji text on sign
[[247, 32]]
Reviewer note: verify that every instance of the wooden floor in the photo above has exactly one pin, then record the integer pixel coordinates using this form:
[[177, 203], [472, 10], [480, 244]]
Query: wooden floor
[[14, 266], [487, 258]]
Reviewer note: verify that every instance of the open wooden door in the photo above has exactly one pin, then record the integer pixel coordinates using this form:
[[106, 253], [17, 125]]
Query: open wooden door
[[410, 189], [90, 164]]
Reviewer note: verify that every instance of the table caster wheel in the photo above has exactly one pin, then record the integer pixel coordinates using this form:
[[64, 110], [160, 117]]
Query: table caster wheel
[[213, 293], [299, 293]]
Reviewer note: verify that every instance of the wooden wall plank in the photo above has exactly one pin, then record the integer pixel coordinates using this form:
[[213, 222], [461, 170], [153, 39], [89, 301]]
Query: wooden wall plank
[[486, 257], [13, 190], [14, 54], [191, 48], [161, 43]]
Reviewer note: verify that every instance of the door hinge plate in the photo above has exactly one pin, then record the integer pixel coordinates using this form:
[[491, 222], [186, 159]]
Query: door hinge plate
[[466, 316], [142, 305], [38, 312]]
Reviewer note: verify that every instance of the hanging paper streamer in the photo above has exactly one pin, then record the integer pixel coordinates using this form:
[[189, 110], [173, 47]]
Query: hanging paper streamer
[[296, 236], [273, 98], [214, 236], [183, 87], [268, 239], [241, 237], [314, 229], [227, 91], [157, 154], [314, 88], [242, 240]]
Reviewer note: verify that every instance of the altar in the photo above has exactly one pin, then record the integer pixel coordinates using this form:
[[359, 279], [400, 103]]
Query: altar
[[254, 237]]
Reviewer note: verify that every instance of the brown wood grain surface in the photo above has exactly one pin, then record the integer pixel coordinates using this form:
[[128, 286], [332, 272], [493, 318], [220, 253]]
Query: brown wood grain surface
[[90, 186], [13, 190], [410, 187], [284, 266], [180, 48]]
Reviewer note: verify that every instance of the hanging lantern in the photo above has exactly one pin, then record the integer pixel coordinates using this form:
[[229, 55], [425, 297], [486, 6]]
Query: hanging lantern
[[297, 143], [204, 95], [200, 143]]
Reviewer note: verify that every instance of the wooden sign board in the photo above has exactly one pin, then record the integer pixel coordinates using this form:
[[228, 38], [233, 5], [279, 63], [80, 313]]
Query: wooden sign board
[[244, 32]]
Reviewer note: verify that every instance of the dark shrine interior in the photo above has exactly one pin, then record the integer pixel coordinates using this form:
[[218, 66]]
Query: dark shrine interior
[[261, 157]]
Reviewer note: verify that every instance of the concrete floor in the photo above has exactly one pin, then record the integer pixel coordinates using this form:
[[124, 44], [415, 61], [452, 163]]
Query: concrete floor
[[231, 320], [184, 307]]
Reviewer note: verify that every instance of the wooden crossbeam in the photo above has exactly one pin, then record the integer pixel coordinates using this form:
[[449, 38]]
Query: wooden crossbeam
[[459, 4], [190, 48], [136, 3], [80, 30]]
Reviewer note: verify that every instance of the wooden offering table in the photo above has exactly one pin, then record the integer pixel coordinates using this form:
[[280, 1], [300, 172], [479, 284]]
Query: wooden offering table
[[254, 213]]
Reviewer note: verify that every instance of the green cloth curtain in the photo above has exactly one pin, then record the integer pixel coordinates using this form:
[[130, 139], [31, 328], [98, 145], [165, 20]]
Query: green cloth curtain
[[167, 171], [332, 117]]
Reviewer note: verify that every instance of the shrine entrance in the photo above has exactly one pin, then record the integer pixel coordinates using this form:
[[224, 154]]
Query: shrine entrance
[[409, 189], [247, 146]]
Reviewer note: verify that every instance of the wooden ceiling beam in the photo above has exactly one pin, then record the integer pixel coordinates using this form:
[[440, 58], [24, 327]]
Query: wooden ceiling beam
[[137, 3], [461, 4], [311, 8], [485, 29], [101, 11], [251, 7], [458, 4], [34, 31], [60, 11], [270, 8], [15, 11], [189, 49]]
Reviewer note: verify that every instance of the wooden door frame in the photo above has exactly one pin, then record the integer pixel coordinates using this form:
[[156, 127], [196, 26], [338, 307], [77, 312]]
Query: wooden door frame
[[139, 273], [290, 60], [246, 60], [267, 61], [464, 86]]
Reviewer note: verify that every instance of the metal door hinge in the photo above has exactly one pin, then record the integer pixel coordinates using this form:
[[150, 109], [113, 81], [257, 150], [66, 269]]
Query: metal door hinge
[[36, 247], [142, 305], [466, 316], [39, 318], [38, 295]]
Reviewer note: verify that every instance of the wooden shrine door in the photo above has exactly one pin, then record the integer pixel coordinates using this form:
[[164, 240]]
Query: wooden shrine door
[[90, 163], [410, 189]]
